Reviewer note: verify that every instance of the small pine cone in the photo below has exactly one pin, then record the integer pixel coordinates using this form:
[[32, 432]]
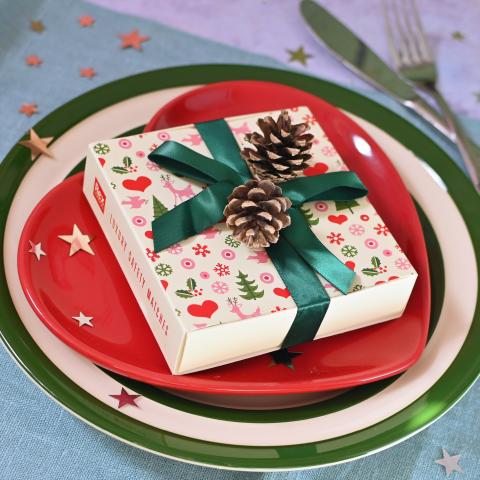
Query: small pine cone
[[281, 152], [256, 212]]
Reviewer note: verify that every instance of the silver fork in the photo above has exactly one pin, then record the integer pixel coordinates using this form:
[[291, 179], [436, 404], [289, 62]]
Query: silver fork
[[412, 56]]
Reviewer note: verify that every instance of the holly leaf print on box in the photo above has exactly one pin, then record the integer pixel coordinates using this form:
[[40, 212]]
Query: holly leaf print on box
[[248, 287], [126, 168], [308, 215], [158, 207], [191, 290], [374, 270]]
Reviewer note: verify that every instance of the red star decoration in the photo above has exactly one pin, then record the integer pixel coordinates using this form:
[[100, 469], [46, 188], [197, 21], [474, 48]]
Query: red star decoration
[[125, 398], [86, 21], [33, 61], [28, 109], [133, 40], [88, 72]]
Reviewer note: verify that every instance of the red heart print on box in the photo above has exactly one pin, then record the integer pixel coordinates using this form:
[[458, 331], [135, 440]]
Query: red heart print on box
[[281, 292], [338, 219], [316, 169], [138, 185], [205, 310]]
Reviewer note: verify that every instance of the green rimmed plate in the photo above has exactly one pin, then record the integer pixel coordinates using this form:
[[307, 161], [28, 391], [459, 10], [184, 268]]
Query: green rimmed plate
[[413, 400]]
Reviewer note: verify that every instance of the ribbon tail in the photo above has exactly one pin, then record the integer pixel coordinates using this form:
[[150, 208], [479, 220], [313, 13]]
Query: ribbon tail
[[309, 247], [191, 217], [307, 292]]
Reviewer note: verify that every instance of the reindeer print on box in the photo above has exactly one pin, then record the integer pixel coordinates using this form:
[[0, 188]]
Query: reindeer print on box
[[212, 283], [179, 194]]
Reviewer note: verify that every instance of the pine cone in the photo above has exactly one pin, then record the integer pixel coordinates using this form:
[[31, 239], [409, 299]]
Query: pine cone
[[256, 212], [281, 152]]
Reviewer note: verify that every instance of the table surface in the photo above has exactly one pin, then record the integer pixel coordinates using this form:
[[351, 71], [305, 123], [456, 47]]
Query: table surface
[[37, 437]]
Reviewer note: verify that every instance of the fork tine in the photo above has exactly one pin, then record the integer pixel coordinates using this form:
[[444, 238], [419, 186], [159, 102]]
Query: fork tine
[[390, 37], [408, 45], [422, 41]]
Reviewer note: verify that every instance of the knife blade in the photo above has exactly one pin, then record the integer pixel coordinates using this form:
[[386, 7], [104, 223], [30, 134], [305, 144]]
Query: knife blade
[[362, 60]]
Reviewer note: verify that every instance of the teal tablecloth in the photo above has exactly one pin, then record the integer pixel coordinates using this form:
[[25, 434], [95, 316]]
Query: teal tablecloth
[[38, 439]]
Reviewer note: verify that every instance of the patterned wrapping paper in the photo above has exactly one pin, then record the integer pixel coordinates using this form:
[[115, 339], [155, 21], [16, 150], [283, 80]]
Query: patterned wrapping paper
[[212, 278]]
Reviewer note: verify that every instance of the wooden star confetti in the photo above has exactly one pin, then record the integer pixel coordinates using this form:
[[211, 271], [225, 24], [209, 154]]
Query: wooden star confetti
[[28, 109], [83, 320], [458, 36], [87, 72], [299, 55], [284, 357], [33, 61], [133, 40], [125, 398], [86, 21], [78, 241], [36, 249], [37, 145], [450, 462], [37, 26]]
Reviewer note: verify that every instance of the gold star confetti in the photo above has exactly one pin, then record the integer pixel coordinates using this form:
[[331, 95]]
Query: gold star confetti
[[299, 55], [78, 241], [36, 249], [37, 26], [37, 145], [458, 35]]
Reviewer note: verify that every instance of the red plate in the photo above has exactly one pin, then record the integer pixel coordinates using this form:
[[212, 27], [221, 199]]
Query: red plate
[[59, 287]]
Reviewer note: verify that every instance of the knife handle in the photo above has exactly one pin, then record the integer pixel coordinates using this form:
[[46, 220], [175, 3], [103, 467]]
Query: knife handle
[[425, 111]]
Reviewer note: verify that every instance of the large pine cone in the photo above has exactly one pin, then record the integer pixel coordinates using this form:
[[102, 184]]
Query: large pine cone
[[256, 212], [281, 152]]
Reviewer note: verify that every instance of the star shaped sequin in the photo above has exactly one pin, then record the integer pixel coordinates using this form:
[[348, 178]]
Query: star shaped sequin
[[86, 21], [87, 72], [450, 462], [299, 55], [133, 40], [284, 357], [37, 26], [37, 145], [83, 320], [28, 109], [78, 241], [458, 35], [36, 249], [125, 398], [33, 61]]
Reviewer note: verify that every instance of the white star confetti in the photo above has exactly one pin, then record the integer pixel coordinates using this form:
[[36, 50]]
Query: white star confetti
[[36, 249], [78, 241], [450, 462], [83, 320]]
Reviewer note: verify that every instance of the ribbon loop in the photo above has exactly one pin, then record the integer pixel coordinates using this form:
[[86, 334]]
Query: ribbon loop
[[329, 186], [180, 160], [191, 217]]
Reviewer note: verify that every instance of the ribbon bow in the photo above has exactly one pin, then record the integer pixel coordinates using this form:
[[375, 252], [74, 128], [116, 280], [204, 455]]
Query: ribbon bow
[[296, 256]]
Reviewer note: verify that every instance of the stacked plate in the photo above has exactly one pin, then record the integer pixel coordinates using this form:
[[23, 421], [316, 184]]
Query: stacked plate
[[324, 402]]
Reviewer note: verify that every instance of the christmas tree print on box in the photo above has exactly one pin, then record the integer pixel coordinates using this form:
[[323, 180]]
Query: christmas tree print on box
[[211, 279]]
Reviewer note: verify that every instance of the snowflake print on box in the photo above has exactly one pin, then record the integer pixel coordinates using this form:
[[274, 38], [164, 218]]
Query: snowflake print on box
[[215, 267]]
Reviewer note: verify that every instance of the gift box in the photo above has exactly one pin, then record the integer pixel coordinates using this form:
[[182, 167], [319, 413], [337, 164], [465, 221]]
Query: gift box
[[210, 299]]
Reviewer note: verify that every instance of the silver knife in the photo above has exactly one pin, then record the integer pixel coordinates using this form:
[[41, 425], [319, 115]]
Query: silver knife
[[358, 57]]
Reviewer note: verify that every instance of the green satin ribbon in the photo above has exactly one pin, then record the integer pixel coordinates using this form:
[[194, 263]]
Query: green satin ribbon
[[296, 256]]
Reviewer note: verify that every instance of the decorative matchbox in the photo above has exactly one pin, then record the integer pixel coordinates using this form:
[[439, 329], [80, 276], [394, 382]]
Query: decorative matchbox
[[211, 300]]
